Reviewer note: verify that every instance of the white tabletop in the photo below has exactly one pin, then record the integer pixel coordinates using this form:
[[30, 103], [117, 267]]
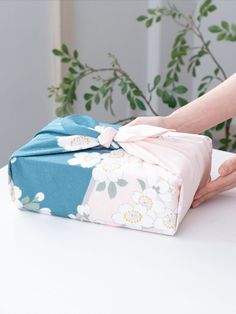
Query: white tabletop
[[51, 265]]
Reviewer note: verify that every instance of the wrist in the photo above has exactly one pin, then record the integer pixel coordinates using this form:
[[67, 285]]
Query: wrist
[[167, 122]]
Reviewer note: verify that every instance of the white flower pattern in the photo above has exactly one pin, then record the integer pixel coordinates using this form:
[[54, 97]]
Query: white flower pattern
[[134, 217], [117, 154], [25, 203], [167, 221], [148, 200], [108, 170], [15, 193], [83, 213], [85, 160], [39, 197], [13, 160], [45, 211], [164, 185], [76, 142]]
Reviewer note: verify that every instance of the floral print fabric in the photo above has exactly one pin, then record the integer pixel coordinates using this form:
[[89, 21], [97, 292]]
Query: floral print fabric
[[70, 175]]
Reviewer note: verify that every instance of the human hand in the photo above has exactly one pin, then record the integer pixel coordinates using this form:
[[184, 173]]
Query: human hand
[[225, 181], [156, 121]]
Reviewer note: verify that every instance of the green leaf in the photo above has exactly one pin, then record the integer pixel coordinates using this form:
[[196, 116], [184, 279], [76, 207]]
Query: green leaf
[[75, 54], [172, 102], [220, 126], [231, 37], [142, 184], [225, 141], [216, 71], [112, 190], [97, 99], [124, 89], [122, 182], [149, 22], [234, 146], [181, 61], [206, 3], [221, 36], [94, 88], [182, 101], [57, 52], [208, 133], [140, 104], [176, 78], [88, 96], [25, 200], [224, 148], [201, 86], [158, 19], [214, 29], [141, 18], [72, 70], [180, 89], [157, 189], [207, 77], [65, 60], [159, 92], [171, 63], [101, 186], [32, 206], [167, 82], [225, 25], [137, 92], [151, 11], [131, 101], [64, 48], [233, 27], [212, 8], [157, 80], [165, 97], [132, 104], [200, 94], [108, 102], [88, 105], [178, 68]]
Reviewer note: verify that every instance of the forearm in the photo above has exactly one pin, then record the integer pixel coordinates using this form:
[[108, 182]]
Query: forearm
[[214, 107]]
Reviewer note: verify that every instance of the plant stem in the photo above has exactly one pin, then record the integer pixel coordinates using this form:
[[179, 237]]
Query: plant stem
[[191, 25], [122, 72], [200, 36], [126, 120]]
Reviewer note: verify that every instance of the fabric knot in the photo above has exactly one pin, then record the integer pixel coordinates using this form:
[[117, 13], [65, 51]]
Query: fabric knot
[[106, 137]]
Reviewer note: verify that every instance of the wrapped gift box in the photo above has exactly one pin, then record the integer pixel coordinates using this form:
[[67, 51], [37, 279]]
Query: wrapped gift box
[[141, 177]]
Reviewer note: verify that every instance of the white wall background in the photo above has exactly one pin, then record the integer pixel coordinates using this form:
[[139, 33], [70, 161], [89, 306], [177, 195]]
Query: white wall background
[[25, 71], [97, 27], [31, 28]]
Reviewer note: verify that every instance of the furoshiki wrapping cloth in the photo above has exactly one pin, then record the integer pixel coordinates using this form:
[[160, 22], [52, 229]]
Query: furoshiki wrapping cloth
[[141, 177]]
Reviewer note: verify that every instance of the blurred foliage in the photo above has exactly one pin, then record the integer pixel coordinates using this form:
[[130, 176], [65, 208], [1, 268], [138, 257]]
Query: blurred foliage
[[168, 87]]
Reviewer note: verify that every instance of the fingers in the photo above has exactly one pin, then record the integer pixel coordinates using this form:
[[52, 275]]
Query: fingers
[[212, 188], [228, 166], [197, 202], [219, 184]]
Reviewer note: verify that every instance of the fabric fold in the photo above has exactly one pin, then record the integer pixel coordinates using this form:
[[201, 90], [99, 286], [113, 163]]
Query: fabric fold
[[185, 156]]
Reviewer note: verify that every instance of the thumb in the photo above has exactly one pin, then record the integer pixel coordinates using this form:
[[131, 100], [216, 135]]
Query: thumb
[[227, 167]]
